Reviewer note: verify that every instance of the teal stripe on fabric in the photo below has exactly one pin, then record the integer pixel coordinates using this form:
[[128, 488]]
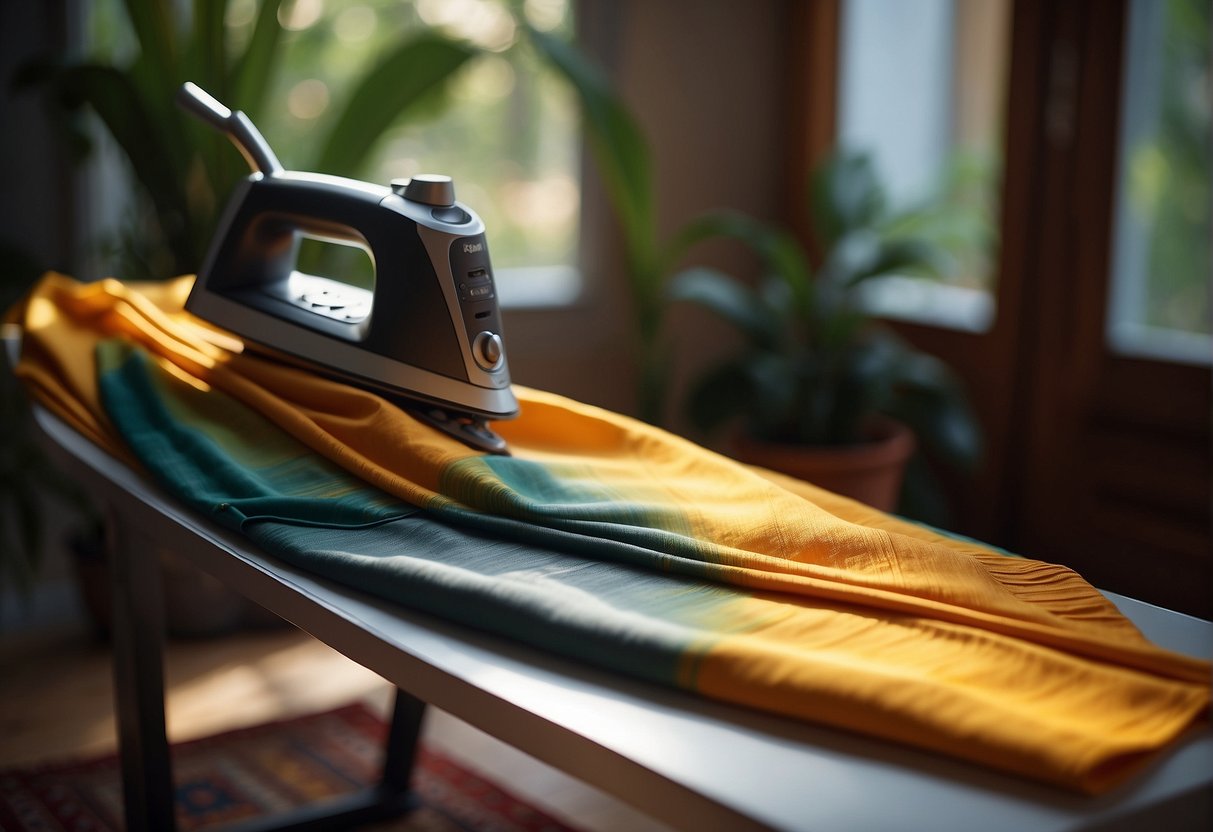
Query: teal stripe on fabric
[[610, 615], [543, 489], [233, 475], [649, 548], [505, 495], [254, 471]]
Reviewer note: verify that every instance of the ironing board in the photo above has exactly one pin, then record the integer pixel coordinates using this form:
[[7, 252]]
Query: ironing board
[[689, 762]]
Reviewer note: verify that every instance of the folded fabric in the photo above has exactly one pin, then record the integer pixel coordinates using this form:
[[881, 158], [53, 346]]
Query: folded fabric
[[616, 543]]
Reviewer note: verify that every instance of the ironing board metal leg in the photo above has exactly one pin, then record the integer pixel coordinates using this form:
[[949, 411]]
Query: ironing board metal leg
[[400, 750], [138, 644], [147, 779]]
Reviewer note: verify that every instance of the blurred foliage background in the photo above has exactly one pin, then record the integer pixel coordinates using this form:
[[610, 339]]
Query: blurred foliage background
[[377, 89]]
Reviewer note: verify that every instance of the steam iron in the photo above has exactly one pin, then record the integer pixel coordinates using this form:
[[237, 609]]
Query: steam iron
[[427, 336]]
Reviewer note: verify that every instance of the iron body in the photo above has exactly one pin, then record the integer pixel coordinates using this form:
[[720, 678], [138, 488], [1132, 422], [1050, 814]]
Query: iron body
[[428, 335]]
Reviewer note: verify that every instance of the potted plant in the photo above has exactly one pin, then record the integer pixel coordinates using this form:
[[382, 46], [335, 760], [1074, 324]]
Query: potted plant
[[823, 390]]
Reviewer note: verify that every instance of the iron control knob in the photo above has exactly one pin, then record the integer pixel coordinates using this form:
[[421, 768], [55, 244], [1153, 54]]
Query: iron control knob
[[488, 350], [427, 188]]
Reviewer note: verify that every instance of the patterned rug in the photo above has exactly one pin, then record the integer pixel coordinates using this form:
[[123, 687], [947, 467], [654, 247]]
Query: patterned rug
[[265, 769]]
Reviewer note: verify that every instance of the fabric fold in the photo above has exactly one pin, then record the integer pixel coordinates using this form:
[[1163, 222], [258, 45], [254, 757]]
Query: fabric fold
[[613, 542]]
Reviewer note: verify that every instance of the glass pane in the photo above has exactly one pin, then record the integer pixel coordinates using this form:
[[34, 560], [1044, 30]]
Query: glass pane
[[1160, 304], [921, 89]]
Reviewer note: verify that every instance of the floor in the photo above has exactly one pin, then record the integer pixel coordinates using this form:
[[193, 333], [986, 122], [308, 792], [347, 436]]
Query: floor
[[56, 702]]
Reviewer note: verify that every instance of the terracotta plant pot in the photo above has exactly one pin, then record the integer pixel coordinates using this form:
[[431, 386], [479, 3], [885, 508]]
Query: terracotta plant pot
[[870, 472]]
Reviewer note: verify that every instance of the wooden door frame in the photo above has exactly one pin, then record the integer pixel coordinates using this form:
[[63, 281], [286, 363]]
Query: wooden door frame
[[1116, 467]]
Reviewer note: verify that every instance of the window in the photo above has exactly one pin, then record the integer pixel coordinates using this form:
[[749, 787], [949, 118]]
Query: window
[[1160, 305], [921, 87]]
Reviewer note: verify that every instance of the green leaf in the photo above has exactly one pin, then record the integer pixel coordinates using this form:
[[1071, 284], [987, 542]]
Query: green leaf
[[208, 164], [779, 251], [853, 256], [728, 224], [396, 83], [846, 195], [205, 61], [618, 146], [730, 299], [907, 257], [152, 22], [156, 88], [861, 254], [156, 74], [254, 71]]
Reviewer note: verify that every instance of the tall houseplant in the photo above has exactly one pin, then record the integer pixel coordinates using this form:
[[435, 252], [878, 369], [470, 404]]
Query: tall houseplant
[[814, 369]]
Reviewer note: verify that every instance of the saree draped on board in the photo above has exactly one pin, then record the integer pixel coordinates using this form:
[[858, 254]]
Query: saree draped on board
[[613, 542]]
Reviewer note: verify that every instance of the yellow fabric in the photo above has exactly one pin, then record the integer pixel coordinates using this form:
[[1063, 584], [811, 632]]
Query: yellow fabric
[[63, 320], [982, 636]]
